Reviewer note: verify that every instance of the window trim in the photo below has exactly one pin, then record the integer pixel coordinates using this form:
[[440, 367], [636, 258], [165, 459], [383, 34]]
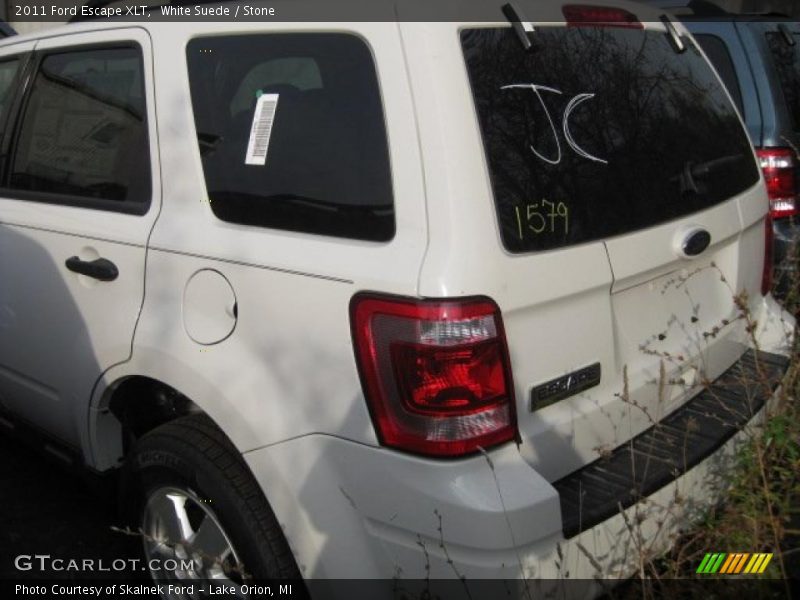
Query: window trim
[[10, 141]]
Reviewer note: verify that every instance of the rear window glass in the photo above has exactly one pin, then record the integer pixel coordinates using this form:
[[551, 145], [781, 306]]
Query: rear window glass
[[787, 64], [291, 133], [599, 132]]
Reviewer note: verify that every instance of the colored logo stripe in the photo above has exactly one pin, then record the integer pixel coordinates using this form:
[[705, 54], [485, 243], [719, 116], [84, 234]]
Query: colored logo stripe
[[711, 562], [734, 564], [760, 565], [742, 562], [729, 562], [755, 561], [704, 563], [738, 563]]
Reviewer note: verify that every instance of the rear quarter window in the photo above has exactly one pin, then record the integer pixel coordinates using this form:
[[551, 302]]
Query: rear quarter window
[[787, 65], [599, 132], [315, 158], [720, 57]]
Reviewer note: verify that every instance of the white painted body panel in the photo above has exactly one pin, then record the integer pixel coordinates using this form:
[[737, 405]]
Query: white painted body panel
[[288, 369], [499, 523], [63, 330]]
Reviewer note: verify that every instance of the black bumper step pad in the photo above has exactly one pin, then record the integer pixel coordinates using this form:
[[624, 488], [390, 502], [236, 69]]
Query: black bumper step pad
[[668, 449]]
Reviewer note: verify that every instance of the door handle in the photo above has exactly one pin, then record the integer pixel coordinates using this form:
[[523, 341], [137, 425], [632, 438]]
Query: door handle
[[101, 268]]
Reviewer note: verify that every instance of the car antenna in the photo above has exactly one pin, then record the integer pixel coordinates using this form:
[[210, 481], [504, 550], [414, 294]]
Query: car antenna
[[522, 27]]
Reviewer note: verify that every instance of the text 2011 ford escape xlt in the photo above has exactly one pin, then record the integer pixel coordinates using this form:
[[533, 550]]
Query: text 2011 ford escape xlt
[[386, 299]]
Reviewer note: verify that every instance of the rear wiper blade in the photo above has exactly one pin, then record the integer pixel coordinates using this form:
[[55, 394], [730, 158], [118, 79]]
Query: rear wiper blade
[[704, 169], [687, 179]]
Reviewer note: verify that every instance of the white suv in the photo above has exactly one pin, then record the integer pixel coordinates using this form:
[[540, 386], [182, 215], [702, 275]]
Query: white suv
[[384, 299]]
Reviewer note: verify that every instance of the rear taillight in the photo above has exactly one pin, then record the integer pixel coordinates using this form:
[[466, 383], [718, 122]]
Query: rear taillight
[[769, 238], [779, 167], [580, 15], [435, 373]]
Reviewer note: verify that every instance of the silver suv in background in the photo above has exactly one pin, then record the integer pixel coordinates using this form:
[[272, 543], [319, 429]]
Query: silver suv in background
[[758, 58]]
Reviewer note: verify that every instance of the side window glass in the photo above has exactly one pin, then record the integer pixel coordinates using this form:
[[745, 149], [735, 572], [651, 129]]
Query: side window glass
[[84, 132], [719, 56], [291, 133], [301, 73], [8, 74]]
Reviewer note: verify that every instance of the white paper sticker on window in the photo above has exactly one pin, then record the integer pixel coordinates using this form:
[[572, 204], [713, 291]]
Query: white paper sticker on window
[[261, 129]]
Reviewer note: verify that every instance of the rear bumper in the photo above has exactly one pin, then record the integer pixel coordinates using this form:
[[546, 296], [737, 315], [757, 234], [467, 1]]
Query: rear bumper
[[672, 446], [355, 511]]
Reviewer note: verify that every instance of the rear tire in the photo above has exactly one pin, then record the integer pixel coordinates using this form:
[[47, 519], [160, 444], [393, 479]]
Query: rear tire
[[195, 500]]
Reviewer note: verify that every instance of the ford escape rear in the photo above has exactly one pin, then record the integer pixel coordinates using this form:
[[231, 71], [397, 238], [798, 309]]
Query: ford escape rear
[[420, 298]]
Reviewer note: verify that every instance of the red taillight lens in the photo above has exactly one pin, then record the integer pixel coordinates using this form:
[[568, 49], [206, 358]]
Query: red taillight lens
[[779, 166], [769, 240], [459, 380], [435, 372], [580, 15]]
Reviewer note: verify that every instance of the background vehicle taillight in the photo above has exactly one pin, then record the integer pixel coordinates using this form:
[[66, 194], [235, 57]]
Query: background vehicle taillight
[[436, 373], [581, 15], [779, 167]]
